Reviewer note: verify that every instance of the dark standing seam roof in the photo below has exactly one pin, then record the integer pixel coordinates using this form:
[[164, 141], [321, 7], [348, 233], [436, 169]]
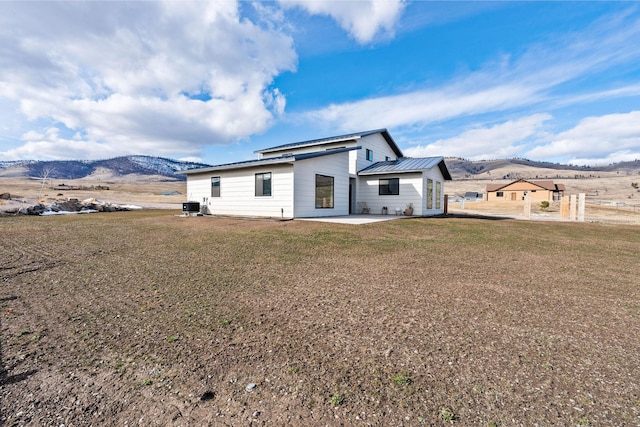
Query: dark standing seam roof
[[269, 161], [407, 164], [385, 134]]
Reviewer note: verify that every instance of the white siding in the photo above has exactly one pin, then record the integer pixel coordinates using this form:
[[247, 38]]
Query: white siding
[[305, 185], [379, 146], [358, 160], [381, 150], [237, 192], [411, 190]]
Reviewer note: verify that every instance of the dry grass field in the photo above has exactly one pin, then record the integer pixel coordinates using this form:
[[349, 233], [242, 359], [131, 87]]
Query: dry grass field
[[610, 196], [146, 192], [148, 318]]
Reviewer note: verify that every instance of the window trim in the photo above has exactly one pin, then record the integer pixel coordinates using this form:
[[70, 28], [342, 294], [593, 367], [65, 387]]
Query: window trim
[[216, 186], [263, 175], [429, 193], [331, 203], [389, 187]]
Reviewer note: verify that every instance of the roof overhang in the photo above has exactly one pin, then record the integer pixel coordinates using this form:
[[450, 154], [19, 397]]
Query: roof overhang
[[336, 140], [267, 162], [407, 165]]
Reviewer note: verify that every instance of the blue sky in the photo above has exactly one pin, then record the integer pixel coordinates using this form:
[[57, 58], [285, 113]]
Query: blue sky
[[215, 81]]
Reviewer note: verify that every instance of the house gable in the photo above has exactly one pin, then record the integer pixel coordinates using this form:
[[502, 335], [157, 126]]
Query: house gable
[[334, 142]]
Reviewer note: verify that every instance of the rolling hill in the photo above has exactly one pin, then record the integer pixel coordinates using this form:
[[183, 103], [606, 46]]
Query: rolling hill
[[118, 166]]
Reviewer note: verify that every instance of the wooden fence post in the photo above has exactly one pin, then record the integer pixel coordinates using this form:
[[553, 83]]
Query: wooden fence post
[[581, 206], [572, 207], [527, 207], [564, 207]]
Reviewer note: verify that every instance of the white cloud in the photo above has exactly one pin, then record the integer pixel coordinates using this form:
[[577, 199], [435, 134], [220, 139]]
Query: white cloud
[[423, 107], [133, 77], [612, 137], [363, 19], [542, 78], [504, 140]]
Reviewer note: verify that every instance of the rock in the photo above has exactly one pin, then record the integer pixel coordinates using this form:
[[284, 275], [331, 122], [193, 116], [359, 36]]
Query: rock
[[5, 196], [36, 210], [207, 395], [250, 386]]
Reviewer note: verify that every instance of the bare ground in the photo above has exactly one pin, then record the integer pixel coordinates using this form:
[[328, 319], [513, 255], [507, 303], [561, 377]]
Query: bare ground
[[146, 318]]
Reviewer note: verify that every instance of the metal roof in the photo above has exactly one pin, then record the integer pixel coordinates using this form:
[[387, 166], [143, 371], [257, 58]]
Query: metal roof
[[268, 161], [348, 137], [546, 185], [406, 165]]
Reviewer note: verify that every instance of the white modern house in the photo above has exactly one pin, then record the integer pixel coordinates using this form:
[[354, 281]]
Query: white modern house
[[358, 173]]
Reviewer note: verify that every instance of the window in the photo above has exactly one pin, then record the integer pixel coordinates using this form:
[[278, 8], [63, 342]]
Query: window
[[263, 184], [389, 187], [369, 155], [215, 186], [438, 194], [499, 194], [429, 194], [324, 192]]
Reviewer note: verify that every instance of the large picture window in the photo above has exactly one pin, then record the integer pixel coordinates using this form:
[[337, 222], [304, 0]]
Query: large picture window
[[263, 184], [389, 187], [429, 194], [324, 191], [215, 186]]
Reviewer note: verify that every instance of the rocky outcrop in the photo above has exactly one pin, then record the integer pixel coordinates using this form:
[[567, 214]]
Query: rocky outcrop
[[71, 206]]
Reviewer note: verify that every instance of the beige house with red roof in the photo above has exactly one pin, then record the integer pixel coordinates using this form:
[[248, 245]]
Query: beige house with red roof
[[517, 190]]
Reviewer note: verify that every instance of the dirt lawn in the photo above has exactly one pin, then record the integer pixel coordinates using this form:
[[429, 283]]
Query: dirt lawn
[[148, 318]]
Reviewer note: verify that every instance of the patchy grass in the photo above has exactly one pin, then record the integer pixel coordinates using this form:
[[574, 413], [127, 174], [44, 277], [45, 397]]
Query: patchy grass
[[425, 321]]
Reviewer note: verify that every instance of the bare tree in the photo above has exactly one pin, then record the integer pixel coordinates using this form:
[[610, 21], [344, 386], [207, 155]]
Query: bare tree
[[45, 174]]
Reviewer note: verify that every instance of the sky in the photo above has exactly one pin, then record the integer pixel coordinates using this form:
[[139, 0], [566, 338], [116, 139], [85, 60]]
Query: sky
[[213, 81]]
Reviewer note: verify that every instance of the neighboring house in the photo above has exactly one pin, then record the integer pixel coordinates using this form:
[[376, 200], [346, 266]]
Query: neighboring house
[[473, 196], [334, 176], [517, 190]]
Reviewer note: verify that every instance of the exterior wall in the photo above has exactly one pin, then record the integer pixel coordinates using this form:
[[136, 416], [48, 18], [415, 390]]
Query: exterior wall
[[517, 190], [305, 185], [237, 192], [380, 148], [357, 159], [413, 189], [410, 192]]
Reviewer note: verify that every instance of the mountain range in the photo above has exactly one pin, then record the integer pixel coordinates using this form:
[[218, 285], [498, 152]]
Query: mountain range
[[118, 166], [163, 167]]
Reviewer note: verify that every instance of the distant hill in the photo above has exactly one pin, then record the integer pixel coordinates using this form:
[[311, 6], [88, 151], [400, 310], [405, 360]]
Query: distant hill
[[119, 166], [524, 168], [163, 167]]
